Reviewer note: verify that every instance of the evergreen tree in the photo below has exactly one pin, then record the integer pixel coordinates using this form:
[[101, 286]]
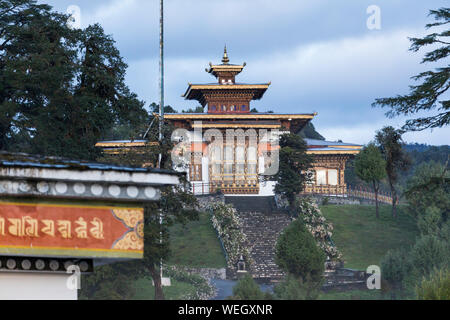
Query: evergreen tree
[[298, 254], [61, 90], [435, 84], [294, 167], [428, 196], [199, 109], [37, 51]]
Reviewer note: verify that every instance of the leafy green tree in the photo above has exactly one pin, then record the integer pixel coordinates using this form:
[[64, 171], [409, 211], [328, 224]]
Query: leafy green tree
[[298, 254], [177, 206], [247, 289], [390, 143], [294, 168], [370, 166], [435, 287], [426, 96]]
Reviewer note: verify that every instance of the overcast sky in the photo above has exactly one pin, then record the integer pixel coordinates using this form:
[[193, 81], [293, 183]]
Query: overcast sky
[[319, 55]]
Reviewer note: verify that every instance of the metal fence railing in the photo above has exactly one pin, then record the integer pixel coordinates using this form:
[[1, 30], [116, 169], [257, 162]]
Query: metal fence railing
[[200, 188], [368, 194], [359, 192]]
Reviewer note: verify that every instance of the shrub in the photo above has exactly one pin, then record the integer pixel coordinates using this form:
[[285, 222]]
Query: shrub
[[226, 222], [247, 289], [444, 232], [298, 254], [436, 287], [395, 267], [203, 289], [316, 223], [429, 222], [296, 289], [429, 253], [109, 282]]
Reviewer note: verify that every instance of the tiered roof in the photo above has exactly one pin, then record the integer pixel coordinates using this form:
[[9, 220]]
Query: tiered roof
[[226, 75], [330, 147]]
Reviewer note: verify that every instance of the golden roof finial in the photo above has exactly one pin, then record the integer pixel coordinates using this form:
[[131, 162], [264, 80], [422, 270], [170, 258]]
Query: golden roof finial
[[225, 59]]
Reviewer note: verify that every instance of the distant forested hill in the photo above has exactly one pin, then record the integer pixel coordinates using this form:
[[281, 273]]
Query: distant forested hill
[[418, 153], [310, 132], [421, 153]]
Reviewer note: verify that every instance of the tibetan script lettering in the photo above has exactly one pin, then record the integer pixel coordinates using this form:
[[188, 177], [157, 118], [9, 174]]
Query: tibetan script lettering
[[81, 230], [64, 227], [49, 227], [97, 229], [30, 227], [2, 226]]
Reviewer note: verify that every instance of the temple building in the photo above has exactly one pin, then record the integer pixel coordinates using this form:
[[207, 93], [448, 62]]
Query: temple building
[[241, 165]]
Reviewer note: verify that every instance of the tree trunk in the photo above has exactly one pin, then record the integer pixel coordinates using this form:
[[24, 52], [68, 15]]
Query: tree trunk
[[375, 188], [159, 294], [394, 200]]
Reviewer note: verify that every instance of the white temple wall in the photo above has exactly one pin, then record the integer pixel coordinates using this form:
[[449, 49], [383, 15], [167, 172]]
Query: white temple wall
[[266, 188], [35, 286], [205, 170]]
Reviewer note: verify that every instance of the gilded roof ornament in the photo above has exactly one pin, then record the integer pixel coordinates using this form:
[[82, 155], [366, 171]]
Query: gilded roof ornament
[[225, 59]]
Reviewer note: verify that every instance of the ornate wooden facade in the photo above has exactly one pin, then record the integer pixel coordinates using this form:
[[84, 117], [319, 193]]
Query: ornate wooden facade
[[236, 165]]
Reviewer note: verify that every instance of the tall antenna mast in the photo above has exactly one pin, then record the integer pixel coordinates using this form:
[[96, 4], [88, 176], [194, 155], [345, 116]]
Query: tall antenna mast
[[161, 78], [161, 118]]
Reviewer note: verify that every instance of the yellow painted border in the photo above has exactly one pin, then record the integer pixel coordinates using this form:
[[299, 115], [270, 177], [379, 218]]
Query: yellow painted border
[[228, 86], [71, 249], [239, 116], [27, 204], [331, 152], [48, 252], [126, 144], [269, 126]]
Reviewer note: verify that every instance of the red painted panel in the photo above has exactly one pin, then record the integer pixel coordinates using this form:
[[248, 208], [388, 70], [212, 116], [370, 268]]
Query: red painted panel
[[103, 231]]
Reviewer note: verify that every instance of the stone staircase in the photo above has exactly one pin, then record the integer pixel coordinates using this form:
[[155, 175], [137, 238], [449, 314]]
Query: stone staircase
[[262, 223]]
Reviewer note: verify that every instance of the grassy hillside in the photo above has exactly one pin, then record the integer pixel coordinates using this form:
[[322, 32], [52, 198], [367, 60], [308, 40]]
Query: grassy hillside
[[363, 239], [146, 291], [197, 245]]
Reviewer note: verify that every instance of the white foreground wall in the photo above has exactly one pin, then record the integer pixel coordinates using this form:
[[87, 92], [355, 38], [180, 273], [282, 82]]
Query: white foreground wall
[[266, 188], [35, 286]]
